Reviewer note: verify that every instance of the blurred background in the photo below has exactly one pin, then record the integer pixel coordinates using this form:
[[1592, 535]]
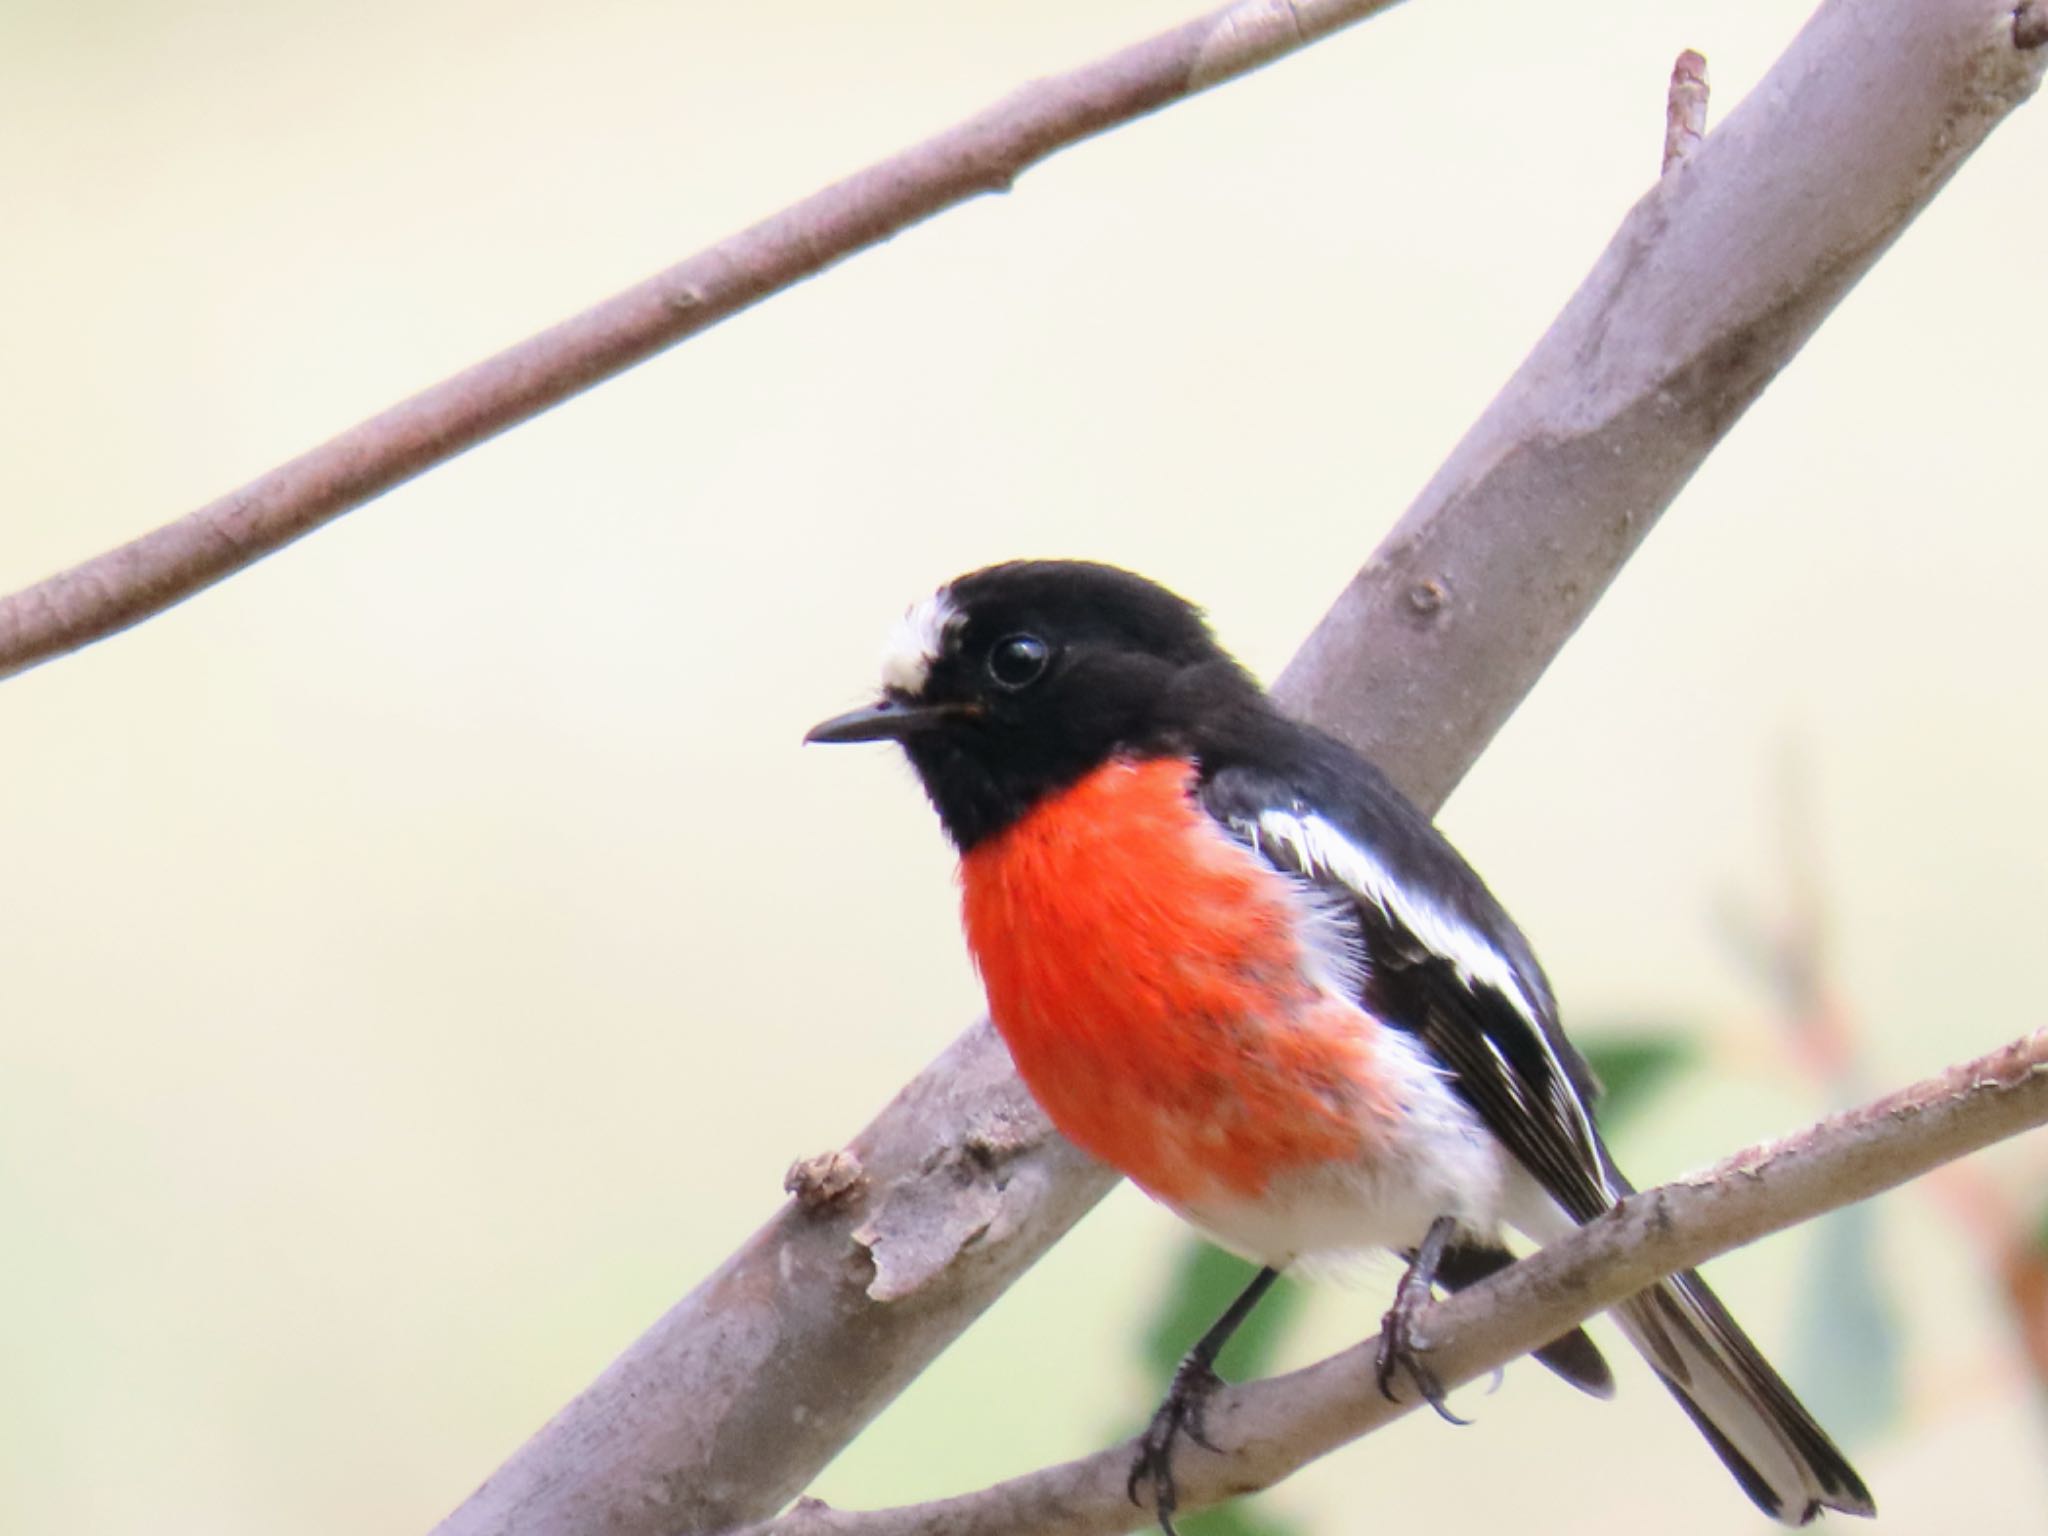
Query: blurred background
[[421, 956]]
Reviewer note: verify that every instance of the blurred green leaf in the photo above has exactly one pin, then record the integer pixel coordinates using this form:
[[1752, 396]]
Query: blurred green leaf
[[2041, 1231], [1633, 1067], [1848, 1329], [1240, 1517], [1205, 1281]]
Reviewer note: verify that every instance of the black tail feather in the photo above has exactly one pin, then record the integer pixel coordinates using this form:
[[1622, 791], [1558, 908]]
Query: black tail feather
[[1782, 1458], [1574, 1355]]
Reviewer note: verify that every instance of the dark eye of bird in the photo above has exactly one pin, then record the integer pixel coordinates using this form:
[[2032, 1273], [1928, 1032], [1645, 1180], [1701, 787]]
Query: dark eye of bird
[[1015, 661]]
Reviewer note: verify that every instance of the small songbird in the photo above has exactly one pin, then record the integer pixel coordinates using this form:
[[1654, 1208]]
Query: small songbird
[[1233, 962]]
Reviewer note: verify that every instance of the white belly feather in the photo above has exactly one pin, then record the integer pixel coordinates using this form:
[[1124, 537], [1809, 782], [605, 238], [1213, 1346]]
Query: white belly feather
[[1438, 1159]]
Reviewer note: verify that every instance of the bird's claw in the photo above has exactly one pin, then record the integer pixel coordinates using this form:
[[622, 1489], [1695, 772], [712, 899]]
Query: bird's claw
[[1183, 1412], [1402, 1351]]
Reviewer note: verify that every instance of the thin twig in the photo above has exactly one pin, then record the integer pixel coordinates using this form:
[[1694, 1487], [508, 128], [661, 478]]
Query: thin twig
[[986, 153], [1266, 1430], [1685, 108]]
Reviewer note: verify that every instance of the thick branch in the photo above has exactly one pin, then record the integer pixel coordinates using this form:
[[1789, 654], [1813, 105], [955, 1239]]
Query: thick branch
[[1714, 280], [1269, 1429], [731, 1402], [984, 154]]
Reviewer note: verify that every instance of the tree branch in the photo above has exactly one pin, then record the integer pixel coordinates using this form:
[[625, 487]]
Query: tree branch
[[985, 153], [731, 1402], [1266, 1430], [1713, 282], [1685, 108]]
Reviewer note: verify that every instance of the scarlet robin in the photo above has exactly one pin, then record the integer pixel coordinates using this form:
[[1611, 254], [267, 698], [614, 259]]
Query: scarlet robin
[[1232, 961]]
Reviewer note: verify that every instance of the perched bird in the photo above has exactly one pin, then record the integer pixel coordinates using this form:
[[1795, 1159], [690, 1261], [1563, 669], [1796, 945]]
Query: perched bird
[[1233, 962]]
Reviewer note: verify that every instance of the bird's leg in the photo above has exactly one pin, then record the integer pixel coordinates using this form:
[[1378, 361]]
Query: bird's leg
[[1186, 1405], [1399, 1350]]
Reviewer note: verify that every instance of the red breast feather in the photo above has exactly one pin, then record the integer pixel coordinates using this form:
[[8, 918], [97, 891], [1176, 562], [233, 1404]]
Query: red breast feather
[[1149, 977]]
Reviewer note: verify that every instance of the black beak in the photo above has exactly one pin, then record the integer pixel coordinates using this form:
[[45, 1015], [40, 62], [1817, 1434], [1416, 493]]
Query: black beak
[[884, 720]]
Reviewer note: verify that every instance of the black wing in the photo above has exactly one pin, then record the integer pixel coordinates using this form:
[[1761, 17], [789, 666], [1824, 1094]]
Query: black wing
[[1441, 958]]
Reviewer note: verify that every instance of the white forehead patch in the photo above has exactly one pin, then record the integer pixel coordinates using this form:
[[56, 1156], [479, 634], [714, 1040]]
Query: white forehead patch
[[915, 643]]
